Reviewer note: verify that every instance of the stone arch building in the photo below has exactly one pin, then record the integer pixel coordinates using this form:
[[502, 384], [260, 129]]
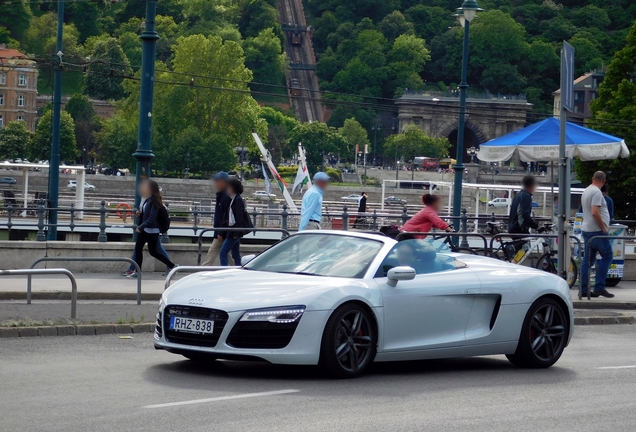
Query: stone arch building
[[486, 118]]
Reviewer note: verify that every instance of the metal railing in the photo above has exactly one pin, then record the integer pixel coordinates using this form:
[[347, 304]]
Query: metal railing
[[30, 272], [80, 259], [193, 269], [203, 231], [586, 257], [517, 236], [70, 217], [449, 235]]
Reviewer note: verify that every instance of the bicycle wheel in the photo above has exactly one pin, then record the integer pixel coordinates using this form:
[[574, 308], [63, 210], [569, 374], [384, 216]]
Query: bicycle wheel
[[500, 254], [546, 263]]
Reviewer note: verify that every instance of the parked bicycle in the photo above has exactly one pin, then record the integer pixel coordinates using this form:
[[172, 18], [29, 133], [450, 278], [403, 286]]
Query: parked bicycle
[[522, 250]]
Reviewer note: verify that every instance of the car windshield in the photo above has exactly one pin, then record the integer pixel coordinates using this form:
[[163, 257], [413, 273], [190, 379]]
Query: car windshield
[[319, 255]]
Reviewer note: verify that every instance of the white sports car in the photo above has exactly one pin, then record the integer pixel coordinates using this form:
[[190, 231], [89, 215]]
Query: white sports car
[[343, 300]]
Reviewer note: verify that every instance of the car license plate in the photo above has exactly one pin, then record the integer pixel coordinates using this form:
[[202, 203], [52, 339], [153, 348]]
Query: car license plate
[[191, 325]]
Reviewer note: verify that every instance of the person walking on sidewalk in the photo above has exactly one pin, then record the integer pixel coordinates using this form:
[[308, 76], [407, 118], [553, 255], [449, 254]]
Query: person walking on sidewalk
[[237, 217], [596, 220], [311, 209], [149, 229], [220, 213]]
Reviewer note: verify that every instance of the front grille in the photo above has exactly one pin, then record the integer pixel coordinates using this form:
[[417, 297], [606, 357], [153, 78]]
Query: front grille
[[158, 326], [206, 340], [260, 334]]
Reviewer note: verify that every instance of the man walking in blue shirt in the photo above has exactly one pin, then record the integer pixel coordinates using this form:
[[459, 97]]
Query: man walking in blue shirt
[[311, 210]]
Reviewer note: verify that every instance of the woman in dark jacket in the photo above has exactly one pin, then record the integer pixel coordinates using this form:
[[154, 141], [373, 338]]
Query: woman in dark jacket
[[148, 230], [235, 217]]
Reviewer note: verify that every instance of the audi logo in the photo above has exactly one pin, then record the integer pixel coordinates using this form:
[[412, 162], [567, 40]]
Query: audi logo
[[196, 301]]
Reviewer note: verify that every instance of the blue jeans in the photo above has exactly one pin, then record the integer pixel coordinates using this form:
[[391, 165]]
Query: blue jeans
[[231, 245], [604, 248], [160, 249]]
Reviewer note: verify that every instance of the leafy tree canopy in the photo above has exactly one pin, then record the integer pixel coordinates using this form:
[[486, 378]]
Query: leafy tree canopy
[[318, 139], [413, 142], [40, 145], [15, 138]]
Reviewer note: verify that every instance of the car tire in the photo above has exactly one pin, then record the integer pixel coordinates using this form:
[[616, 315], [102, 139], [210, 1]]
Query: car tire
[[544, 335], [349, 341]]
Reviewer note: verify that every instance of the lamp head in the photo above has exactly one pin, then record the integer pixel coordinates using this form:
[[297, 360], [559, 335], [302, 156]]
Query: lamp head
[[470, 9], [460, 16]]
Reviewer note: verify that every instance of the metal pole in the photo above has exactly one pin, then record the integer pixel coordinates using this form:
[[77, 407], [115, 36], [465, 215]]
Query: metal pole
[[242, 155], [564, 201], [144, 153], [54, 159], [459, 165]]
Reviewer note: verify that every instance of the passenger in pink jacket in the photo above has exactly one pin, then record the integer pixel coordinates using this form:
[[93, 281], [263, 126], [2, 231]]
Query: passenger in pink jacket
[[427, 219]]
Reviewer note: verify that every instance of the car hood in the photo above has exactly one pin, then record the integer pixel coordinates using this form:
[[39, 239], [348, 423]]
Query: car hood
[[239, 289]]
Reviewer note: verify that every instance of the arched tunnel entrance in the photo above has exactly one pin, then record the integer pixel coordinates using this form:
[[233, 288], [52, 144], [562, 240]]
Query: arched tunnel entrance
[[470, 140]]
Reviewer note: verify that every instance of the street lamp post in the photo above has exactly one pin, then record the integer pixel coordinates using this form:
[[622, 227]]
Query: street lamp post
[[466, 14], [144, 153], [375, 128]]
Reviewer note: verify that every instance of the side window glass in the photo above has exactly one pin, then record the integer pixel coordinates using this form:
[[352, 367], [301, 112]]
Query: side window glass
[[420, 255]]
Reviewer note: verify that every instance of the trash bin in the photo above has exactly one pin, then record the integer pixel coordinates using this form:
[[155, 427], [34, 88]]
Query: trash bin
[[615, 272]]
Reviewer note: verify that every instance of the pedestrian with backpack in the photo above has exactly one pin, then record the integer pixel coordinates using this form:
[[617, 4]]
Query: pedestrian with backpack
[[236, 216], [154, 220], [130, 272]]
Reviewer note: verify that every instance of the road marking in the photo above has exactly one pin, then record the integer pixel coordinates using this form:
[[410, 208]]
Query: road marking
[[618, 367], [223, 398]]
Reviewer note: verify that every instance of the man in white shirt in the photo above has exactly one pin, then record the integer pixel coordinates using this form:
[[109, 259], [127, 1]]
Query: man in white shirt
[[596, 221]]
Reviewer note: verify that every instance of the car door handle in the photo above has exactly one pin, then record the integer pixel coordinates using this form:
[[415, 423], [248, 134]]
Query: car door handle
[[472, 291]]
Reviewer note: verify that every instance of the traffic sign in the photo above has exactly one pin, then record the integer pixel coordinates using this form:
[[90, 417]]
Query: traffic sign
[[567, 76]]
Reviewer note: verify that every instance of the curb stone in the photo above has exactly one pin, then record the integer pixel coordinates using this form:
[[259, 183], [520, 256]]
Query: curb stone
[[109, 329], [28, 331]]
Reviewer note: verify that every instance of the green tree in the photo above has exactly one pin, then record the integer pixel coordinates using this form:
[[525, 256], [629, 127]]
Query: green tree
[[16, 16], [588, 56], [429, 21], [355, 135], [394, 25], [318, 139], [39, 39], [117, 141], [614, 112], [279, 126], [40, 147], [86, 123], [108, 64], [591, 16], [413, 142], [15, 138], [264, 56]]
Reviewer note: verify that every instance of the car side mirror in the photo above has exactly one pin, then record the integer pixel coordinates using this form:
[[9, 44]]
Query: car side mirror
[[400, 273], [247, 258]]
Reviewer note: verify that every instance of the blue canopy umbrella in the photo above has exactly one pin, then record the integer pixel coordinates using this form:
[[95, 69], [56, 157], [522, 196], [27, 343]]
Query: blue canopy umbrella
[[540, 142]]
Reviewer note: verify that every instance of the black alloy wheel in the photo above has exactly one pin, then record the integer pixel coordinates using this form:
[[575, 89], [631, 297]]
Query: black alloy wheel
[[349, 341], [543, 335]]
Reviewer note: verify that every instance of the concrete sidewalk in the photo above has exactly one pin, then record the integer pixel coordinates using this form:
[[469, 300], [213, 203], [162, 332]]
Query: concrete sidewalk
[[100, 286]]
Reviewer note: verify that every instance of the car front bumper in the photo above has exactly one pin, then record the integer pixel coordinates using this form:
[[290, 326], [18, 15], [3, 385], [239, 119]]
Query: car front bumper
[[303, 349]]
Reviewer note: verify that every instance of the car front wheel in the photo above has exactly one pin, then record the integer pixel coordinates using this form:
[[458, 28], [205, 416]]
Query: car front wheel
[[349, 342], [543, 335]]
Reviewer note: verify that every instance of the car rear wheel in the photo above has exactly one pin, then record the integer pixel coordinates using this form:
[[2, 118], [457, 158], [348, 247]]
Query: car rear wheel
[[349, 342], [543, 335]]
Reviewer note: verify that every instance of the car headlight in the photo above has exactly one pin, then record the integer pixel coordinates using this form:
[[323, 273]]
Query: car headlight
[[281, 315]]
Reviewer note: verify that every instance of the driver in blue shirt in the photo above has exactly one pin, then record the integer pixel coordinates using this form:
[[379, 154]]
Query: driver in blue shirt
[[311, 210]]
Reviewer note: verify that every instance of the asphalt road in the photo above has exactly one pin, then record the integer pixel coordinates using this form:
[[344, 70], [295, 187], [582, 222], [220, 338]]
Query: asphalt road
[[104, 383]]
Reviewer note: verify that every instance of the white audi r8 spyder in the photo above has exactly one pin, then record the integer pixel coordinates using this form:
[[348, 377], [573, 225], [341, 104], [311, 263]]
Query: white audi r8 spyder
[[343, 300]]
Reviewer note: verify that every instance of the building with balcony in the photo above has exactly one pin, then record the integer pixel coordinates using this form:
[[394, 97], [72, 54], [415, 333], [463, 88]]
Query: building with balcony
[[18, 87], [585, 91]]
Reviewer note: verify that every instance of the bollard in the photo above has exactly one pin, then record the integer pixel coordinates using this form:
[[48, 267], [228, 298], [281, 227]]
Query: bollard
[[464, 229], [345, 219], [9, 215], [165, 238], [404, 216], [102, 223], [284, 217], [72, 223], [40, 236], [195, 220]]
